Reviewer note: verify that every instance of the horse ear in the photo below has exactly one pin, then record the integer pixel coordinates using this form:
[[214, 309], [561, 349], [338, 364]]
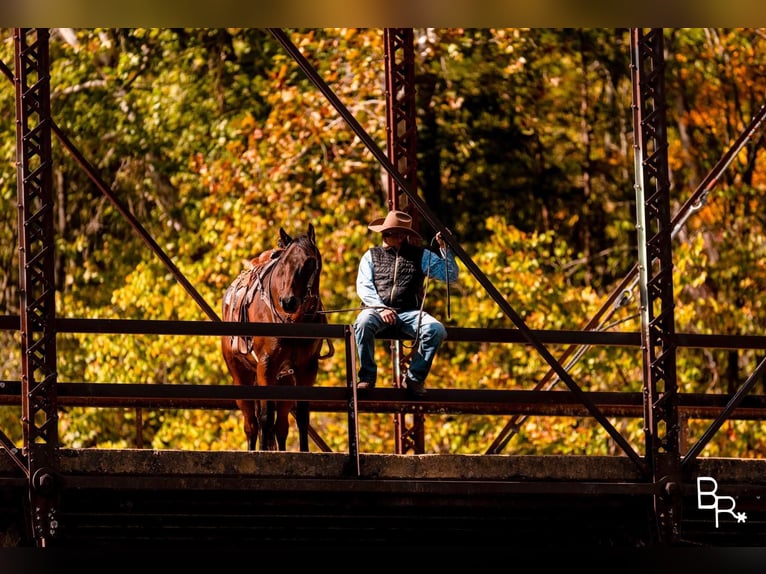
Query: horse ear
[[311, 233], [284, 238]]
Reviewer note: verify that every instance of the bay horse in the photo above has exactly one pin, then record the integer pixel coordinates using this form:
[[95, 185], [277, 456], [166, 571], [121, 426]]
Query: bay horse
[[280, 286]]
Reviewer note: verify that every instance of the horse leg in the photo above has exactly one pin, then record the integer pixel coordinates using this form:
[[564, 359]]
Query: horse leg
[[283, 423], [266, 376], [302, 418], [268, 428], [251, 424], [305, 376], [243, 376]]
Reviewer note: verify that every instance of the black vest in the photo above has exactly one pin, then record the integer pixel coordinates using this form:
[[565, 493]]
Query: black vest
[[398, 276]]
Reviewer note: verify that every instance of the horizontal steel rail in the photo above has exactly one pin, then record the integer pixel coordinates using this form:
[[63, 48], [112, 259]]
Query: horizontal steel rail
[[383, 400], [335, 331]]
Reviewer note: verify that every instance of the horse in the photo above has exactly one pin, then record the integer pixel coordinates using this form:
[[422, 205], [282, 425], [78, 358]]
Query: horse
[[281, 285]]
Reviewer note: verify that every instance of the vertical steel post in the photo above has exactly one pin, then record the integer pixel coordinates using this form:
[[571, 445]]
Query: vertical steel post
[[653, 224], [401, 140], [401, 129], [353, 402], [36, 277]]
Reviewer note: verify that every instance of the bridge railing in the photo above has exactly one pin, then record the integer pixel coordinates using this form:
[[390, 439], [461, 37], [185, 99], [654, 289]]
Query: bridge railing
[[379, 400]]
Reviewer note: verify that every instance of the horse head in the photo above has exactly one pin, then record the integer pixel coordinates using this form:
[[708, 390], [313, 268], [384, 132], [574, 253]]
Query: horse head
[[296, 281]]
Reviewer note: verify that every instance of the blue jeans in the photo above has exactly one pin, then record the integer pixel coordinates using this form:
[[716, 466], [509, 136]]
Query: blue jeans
[[368, 324]]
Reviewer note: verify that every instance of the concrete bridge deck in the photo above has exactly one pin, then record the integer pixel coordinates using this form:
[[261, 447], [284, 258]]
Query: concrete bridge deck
[[171, 498]]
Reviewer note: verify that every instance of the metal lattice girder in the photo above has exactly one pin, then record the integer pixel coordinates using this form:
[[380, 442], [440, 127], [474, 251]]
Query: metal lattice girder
[[655, 241], [36, 274], [401, 117], [656, 277], [401, 142]]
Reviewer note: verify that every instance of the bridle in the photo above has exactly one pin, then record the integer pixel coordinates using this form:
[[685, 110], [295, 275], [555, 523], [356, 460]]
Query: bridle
[[309, 302]]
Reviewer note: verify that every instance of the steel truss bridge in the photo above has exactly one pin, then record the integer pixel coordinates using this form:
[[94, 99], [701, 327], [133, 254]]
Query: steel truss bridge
[[57, 497]]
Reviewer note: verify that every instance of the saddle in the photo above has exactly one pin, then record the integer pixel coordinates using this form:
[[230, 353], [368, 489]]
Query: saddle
[[242, 292]]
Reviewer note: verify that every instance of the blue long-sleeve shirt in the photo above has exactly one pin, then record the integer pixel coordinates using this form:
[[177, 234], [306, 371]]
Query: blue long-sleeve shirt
[[434, 266]]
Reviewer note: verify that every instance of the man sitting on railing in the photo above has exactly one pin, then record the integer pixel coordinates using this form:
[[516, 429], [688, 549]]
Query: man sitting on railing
[[390, 284]]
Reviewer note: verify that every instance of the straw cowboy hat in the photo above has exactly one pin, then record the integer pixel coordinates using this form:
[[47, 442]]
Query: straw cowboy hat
[[394, 221]]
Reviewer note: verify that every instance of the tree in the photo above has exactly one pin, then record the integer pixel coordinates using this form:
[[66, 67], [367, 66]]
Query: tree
[[213, 138]]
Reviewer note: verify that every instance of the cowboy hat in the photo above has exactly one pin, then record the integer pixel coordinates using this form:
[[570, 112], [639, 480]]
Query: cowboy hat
[[394, 221]]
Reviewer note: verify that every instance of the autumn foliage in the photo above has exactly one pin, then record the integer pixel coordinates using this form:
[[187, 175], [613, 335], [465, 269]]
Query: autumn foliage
[[214, 138]]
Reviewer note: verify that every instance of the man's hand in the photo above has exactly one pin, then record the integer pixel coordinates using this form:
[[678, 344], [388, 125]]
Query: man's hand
[[440, 241], [388, 316]]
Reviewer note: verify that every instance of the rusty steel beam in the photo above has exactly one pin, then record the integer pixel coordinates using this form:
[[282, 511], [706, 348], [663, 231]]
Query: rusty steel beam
[[352, 402], [662, 426], [386, 400], [335, 331], [36, 276], [401, 128], [401, 145]]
